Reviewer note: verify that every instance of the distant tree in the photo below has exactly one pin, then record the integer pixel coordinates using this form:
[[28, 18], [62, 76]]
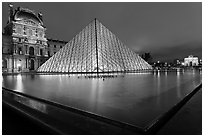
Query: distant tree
[[147, 57]]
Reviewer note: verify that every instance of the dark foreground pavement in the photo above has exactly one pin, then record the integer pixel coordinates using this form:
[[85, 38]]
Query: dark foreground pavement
[[16, 124], [188, 120]]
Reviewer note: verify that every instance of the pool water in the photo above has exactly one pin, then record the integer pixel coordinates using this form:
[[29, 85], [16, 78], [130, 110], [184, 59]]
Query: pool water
[[134, 98]]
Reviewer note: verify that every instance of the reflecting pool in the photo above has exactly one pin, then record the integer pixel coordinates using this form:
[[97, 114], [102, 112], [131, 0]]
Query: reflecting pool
[[134, 98]]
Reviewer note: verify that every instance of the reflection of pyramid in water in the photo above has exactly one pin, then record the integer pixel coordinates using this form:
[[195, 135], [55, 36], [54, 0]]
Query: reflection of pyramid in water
[[94, 49]]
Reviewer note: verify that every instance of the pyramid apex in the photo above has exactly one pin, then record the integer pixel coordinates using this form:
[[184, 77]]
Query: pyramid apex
[[96, 20]]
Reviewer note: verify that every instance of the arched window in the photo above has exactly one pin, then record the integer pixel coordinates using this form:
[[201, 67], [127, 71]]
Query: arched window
[[20, 52], [32, 64], [41, 52], [31, 51]]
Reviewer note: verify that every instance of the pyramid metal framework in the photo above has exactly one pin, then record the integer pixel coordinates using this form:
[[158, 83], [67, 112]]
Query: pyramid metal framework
[[94, 49]]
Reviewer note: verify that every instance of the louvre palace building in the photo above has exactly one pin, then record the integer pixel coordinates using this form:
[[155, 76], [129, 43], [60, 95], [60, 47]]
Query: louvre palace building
[[24, 43]]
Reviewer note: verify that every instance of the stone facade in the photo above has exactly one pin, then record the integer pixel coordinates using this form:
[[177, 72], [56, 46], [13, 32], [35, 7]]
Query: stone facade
[[53, 45], [24, 43]]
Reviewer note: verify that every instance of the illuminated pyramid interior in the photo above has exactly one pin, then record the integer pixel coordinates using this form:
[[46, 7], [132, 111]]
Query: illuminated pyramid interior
[[94, 49]]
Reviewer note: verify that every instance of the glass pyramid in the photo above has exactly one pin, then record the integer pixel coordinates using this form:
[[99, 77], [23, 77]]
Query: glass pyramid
[[94, 49]]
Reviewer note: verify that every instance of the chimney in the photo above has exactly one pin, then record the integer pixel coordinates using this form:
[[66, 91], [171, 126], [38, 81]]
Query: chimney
[[10, 12]]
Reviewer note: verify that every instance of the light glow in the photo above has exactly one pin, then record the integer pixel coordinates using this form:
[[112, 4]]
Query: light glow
[[18, 65]]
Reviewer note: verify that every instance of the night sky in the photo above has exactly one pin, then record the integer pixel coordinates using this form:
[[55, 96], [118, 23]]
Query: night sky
[[166, 30]]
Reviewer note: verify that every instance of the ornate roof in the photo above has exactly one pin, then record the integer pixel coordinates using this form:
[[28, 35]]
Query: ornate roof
[[26, 14]]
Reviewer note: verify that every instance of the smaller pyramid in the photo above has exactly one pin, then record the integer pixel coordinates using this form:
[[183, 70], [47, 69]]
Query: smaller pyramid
[[94, 49]]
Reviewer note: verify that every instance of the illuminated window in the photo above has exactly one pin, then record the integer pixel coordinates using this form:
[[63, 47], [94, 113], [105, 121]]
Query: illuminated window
[[20, 51]]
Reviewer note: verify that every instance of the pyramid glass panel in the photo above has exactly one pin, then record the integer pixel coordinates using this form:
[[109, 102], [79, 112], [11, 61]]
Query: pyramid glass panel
[[94, 49]]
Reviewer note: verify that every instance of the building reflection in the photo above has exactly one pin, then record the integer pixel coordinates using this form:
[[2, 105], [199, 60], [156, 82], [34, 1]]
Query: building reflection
[[19, 83], [32, 77]]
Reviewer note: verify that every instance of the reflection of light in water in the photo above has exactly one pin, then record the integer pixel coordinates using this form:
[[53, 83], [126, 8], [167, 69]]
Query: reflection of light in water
[[96, 90], [178, 72], [60, 84], [158, 74], [166, 73], [178, 83], [94, 93], [193, 72], [19, 83], [158, 88]]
